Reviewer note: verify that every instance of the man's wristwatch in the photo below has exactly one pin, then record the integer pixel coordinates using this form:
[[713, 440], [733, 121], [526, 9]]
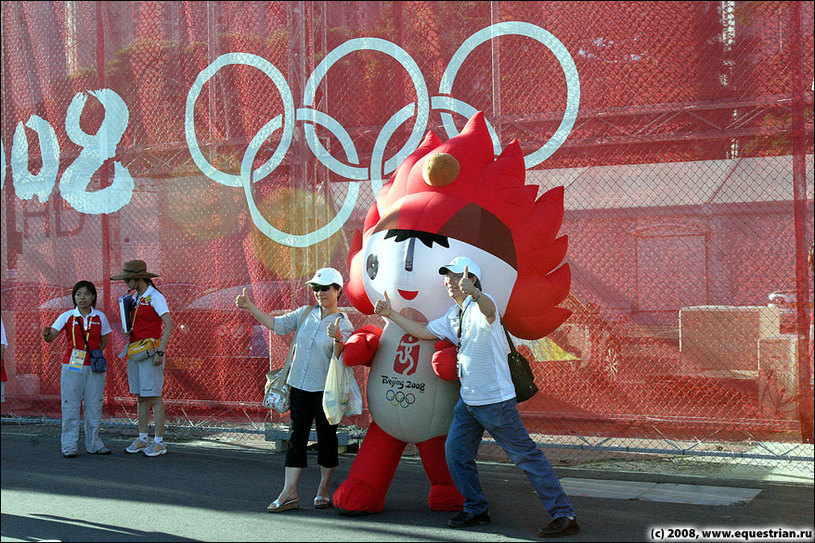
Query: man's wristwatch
[[160, 353]]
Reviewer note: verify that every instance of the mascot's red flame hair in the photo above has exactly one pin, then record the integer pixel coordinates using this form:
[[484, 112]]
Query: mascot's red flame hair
[[482, 200]]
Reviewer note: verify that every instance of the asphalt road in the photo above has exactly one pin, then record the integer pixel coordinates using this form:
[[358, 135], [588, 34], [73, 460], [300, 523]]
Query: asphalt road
[[219, 492]]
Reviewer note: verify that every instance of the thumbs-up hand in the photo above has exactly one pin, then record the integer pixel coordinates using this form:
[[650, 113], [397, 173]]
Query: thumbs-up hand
[[242, 300], [334, 330], [466, 285], [383, 307]]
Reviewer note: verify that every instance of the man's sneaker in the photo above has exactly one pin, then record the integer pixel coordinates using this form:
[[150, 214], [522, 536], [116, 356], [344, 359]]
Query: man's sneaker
[[155, 449], [137, 446]]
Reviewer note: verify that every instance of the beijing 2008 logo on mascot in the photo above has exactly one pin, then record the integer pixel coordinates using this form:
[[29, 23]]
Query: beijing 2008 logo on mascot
[[445, 200]]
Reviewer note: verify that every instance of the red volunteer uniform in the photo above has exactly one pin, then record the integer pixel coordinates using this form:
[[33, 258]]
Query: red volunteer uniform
[[146, 316], [73, 330]]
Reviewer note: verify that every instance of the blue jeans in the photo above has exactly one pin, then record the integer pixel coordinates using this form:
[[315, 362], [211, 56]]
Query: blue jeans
[[503, 422]]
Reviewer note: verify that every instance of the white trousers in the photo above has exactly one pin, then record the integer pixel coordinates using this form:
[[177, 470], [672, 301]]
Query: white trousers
[[74, 388]]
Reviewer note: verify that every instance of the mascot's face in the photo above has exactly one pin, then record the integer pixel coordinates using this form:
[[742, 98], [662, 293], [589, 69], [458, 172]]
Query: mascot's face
[[406, 265]]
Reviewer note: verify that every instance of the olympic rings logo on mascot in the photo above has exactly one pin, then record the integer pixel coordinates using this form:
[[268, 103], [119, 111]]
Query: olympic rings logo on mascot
[[399, 398]]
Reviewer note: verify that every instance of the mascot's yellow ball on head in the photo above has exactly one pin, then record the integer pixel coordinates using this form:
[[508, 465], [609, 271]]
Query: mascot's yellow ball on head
[[440, 169]]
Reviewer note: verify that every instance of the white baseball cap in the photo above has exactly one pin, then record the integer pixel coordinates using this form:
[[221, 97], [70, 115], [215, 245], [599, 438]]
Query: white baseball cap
[[458, 264], [326, 276]]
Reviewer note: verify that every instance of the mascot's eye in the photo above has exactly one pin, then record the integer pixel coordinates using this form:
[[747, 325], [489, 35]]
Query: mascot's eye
[[372, 266]]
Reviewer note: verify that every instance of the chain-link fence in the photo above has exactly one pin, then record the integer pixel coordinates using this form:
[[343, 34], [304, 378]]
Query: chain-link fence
[[234, 145]]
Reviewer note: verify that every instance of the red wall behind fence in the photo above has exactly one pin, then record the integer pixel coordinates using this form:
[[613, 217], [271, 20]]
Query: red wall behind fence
[[688, 175]]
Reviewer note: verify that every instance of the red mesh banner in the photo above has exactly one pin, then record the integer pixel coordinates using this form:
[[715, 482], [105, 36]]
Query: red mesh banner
[[241, 144]]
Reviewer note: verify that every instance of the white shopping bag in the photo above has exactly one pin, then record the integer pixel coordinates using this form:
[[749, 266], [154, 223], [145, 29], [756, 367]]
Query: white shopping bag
[[333, 397], [341, 396], [353, 405]]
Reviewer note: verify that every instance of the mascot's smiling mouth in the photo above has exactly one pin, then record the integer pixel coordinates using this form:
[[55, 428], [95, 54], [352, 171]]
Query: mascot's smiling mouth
[[408, 294]]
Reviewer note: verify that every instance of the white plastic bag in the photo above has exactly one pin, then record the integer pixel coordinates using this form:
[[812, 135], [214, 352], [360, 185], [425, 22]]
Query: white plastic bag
[[353, 405], [341, 396], [334, 399]]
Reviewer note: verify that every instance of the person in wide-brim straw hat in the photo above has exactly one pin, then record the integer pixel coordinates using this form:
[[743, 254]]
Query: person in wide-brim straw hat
[[134, 269], [151, 328]]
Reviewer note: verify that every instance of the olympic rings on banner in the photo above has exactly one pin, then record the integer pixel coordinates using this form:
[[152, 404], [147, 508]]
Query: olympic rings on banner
[[399, 398], [380, 167]]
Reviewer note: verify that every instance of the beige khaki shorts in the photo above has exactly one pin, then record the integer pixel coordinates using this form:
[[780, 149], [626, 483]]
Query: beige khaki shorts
[[144, 378]]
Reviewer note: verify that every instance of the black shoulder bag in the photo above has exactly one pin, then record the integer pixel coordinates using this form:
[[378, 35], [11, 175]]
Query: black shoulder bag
[[522, 376], [98, 362]]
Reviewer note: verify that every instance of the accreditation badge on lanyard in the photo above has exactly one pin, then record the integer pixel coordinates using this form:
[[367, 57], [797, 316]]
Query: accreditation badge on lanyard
[[77, 359]]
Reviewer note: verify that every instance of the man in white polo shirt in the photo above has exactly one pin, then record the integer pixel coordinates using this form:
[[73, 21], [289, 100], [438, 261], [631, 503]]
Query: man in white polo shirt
[[487, 399]]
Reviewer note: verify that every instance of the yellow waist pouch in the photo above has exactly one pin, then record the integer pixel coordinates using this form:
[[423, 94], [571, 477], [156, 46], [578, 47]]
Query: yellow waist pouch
[[141, 346]]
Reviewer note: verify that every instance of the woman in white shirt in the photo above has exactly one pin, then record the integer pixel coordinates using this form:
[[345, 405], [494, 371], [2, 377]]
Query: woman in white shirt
[[86, 328], [321, 335]]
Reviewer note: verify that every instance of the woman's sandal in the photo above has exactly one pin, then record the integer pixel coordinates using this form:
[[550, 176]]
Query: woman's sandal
[[322, 502], [277, 507]]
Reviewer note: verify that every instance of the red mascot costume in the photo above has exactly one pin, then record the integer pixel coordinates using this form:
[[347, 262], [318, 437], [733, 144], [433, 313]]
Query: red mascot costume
[[445, 200]]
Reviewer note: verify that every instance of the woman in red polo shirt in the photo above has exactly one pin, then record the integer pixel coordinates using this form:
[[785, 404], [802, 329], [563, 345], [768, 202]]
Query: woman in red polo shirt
[[151, 322], [86, 328]]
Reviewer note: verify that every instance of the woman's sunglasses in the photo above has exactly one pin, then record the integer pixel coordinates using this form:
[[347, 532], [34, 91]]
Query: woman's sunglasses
[[320, 288]]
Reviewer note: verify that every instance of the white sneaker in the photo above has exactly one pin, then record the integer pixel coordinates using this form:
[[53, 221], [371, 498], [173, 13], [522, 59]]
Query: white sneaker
[[155, 449], [137, 446]]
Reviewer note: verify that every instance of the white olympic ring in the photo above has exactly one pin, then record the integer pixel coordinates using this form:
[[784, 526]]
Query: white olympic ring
[[288, 115], [423, 110], [379, 167], [563, 57]]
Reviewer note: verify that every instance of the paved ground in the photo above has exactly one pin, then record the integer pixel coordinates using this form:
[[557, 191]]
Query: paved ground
[[214, 491]]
